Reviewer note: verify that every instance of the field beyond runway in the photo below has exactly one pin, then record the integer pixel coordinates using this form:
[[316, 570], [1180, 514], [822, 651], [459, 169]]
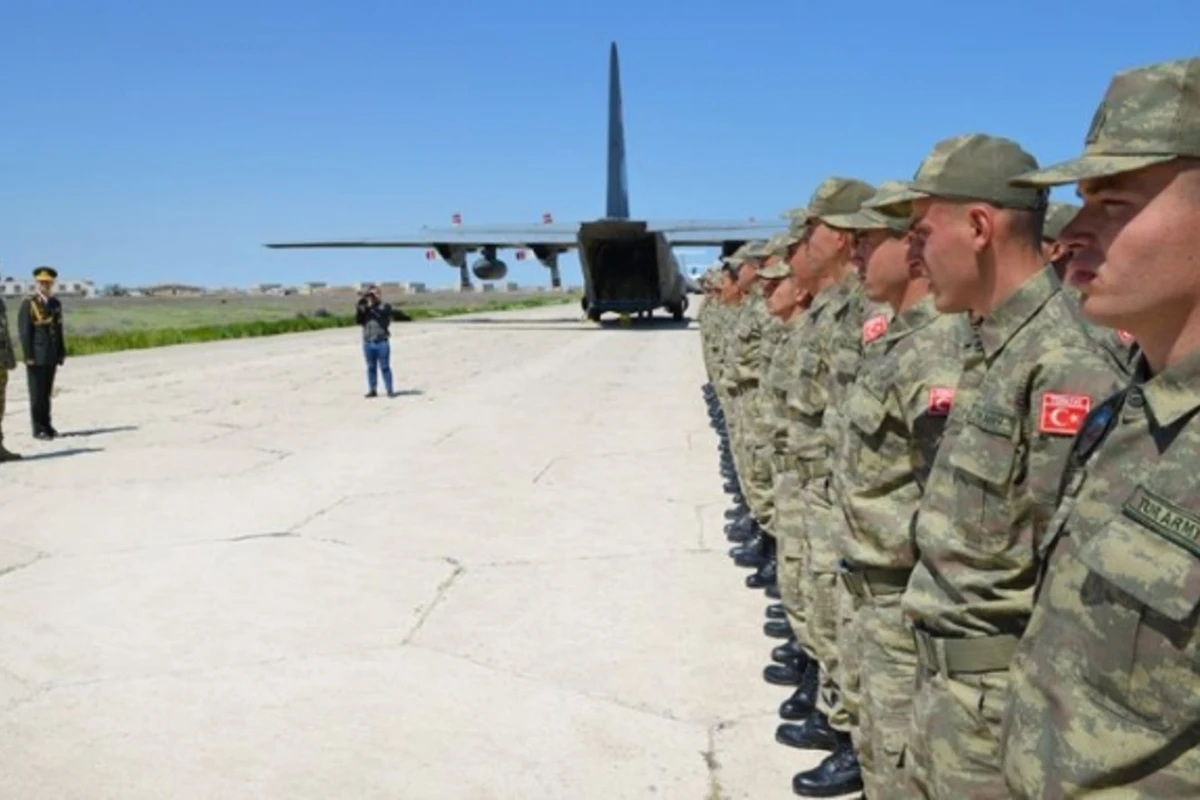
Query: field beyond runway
[[235, 577]]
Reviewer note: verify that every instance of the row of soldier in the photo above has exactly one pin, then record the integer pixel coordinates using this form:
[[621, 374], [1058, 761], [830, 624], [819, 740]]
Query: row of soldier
[[957, 421]]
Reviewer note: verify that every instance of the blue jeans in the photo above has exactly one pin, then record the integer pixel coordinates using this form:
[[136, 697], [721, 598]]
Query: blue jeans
[[378, 354]]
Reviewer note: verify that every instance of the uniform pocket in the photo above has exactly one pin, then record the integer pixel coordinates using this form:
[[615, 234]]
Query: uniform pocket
[[1141, 594], [983, 464]]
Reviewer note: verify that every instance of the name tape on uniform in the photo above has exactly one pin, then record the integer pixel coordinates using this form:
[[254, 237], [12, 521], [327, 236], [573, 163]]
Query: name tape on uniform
[[1063, 414]]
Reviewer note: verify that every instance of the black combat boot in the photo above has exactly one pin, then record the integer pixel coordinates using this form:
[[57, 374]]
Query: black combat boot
[[742, 529], [777, 629], [787, 652], [837, 775], [804, 700], [763, 577], [772, 591], [814, 733]]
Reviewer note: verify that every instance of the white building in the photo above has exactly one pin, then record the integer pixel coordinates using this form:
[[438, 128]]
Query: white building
[[66, 287]]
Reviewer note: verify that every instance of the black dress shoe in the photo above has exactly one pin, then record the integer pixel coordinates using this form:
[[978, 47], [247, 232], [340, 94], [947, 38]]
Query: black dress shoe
[[814, 733], [736, 512], [789, 674], [787, 652], [731, 487], [772, 591], [776, 611], [46, 435], [777, 629], [838, 774]]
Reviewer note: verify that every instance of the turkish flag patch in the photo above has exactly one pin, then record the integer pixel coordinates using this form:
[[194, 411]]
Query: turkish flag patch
[[941, 400], [874, 328], [1125, 336], [1063, 414]]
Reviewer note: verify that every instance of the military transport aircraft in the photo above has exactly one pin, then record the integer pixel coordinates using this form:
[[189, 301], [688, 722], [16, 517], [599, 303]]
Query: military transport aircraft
[[628, 265]]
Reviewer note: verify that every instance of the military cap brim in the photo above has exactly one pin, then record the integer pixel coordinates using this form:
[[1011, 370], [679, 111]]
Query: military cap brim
[[865, 220], [44, 274], [774, 270], [1085, 168]]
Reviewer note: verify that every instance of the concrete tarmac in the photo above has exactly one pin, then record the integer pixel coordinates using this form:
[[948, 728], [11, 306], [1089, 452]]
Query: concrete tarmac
[[234, 577]]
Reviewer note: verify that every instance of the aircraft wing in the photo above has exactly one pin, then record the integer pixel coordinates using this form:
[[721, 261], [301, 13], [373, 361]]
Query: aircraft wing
[[469, 237], [715, 234]]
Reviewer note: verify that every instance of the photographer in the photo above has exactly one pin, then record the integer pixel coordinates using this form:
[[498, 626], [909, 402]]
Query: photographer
[[375, 316]]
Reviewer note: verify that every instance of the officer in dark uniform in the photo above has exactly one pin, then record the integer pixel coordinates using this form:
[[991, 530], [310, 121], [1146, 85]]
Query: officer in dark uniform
[[39, 324]]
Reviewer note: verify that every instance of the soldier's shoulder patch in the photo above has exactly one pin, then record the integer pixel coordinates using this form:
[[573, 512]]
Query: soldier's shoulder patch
[[873, 328], [1063, 414], [941, 400]]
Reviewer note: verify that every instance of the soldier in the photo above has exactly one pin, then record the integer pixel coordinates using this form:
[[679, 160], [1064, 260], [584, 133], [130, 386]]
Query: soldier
[[1030, 373], [746, 364], [1105, 697], [895, 412], [793, 666], [821, 365], [8, 362], [39, 324], [1118, 344]]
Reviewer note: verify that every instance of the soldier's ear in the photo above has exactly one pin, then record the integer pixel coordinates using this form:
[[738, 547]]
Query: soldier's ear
[[982, 222]]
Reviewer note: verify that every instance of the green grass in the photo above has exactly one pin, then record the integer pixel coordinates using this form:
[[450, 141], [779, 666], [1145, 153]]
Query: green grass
[[109, 325]]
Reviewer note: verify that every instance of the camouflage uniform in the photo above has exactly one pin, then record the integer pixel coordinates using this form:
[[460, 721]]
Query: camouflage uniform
[[1105, 698], [8, 362], [827, 352], [1030, 372], [745, 371], [894, 412]]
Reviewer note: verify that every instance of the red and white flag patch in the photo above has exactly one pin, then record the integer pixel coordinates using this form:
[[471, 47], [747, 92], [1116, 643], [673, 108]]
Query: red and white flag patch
[[1063, 414], [941, 400], [1125, 336], [874, 328]]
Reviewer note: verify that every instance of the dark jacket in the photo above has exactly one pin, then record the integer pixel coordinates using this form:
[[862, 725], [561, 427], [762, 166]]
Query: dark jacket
[[8, 354], [374, 320], [39, 324]]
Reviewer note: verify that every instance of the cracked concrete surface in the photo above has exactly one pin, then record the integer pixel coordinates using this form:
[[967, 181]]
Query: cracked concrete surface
[[240, 579]]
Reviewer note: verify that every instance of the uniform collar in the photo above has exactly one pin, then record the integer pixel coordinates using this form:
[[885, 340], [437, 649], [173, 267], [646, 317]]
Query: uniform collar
[[1010, 316], [1172, 393], [912, 319]]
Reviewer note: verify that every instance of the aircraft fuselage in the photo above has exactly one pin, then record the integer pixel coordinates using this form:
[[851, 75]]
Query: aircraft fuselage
[[628, 269]]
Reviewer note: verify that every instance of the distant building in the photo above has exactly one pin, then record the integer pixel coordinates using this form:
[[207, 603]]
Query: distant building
[[173, 290], [66, 287], [313, 287]]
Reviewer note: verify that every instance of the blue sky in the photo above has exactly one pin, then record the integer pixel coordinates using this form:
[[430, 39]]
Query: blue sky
[[146, 142]]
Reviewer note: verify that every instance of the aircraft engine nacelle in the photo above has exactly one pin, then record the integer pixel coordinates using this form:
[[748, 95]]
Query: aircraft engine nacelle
[[489, 269]]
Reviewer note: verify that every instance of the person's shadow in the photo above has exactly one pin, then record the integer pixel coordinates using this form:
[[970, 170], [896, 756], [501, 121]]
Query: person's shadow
[[70, 451], [407, 393], [99, 431]]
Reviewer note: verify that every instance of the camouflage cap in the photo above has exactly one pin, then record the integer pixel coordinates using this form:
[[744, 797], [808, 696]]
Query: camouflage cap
[[869, 218], [737, 257], [1149, 115], [835, 195], [1057, 217], [974, 167], [776, 246]]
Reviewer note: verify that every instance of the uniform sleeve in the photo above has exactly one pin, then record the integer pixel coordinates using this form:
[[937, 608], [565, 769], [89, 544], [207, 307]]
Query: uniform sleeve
[[25, 330], [60, 336], [747, 361], [1060, 394]]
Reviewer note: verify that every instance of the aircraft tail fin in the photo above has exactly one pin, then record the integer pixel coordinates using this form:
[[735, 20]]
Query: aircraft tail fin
[[617, 206]]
